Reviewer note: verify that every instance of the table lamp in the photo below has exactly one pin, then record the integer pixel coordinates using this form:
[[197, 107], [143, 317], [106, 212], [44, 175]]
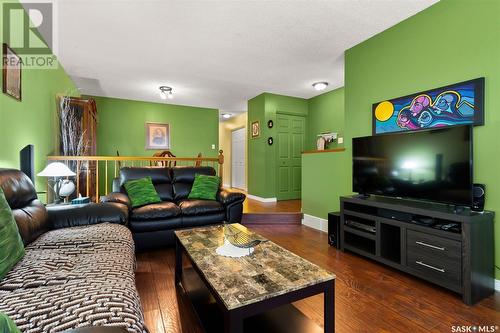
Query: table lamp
[[58, 170]]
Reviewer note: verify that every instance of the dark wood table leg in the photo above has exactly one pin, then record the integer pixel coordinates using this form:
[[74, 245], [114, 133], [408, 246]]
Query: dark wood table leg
[[233, 323], [178, 261], [329, 308]]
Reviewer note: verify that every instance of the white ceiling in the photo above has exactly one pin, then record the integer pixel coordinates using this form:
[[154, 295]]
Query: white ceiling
[[216, 54]]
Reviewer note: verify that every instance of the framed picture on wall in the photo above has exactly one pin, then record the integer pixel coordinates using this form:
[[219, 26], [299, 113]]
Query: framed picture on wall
[[255, 129], [11, 73], [456, 104], [157, 136]]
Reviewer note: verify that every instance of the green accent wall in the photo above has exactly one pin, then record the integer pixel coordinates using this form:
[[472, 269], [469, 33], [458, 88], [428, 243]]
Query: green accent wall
[[34, 119], [452, 41], [321, 171], [261, 156], [121, 126], [326, 114]]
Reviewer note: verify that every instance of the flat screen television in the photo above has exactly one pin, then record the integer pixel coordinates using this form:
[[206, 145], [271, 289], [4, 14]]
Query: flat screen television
[[433, 165]]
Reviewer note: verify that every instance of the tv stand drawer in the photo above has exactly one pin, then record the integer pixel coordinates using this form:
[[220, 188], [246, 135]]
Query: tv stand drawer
[[442, 249], [434, 258], [445, 273]]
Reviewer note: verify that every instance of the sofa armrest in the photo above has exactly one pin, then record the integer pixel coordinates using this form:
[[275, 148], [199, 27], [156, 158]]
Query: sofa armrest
[[64, 216], [227, 197], [117, 197]]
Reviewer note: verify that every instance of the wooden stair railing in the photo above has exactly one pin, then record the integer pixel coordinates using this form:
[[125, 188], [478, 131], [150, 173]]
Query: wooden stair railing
[[107, 168]]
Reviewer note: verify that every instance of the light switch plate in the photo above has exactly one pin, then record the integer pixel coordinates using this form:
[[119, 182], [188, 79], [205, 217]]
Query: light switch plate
[[340, 140], [213, 146]]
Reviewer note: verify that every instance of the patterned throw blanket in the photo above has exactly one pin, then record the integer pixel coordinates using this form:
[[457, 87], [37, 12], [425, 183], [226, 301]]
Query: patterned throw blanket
[[75, 277]]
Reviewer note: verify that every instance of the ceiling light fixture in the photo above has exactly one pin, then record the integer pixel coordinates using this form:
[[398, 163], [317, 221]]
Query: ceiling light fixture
[[320, 85], [166, 92], [226, 115]]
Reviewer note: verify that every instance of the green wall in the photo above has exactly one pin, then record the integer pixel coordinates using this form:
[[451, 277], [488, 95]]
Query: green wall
[[452, 41], [326, 114], [320, 172], [261, 156], [34, 119], [121, 126]]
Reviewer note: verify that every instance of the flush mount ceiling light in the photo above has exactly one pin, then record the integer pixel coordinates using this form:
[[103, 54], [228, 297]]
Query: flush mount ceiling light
[[166, 92], [226, 115], [320, 85]]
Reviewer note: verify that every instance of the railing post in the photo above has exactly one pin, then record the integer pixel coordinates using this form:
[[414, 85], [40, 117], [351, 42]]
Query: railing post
[[221, 163]]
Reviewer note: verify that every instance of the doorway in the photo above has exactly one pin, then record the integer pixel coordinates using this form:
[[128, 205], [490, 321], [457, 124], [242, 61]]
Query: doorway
[[238, 143], [291, 137]]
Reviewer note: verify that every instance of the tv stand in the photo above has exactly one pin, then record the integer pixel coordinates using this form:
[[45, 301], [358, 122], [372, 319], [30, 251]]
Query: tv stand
[[453, 249]]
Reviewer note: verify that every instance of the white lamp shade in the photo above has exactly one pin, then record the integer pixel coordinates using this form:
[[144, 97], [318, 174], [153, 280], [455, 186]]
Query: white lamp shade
[[56, 169]]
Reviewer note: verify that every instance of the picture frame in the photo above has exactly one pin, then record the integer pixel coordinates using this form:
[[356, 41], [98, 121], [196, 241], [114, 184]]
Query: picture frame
[[11, 72], [157, 136], [455, 104], [255, 128]]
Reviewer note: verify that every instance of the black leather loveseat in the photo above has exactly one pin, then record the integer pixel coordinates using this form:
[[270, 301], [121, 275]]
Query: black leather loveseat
[[154, 225]]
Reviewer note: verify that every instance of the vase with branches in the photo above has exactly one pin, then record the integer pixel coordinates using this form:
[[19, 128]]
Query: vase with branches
[[72, 136]]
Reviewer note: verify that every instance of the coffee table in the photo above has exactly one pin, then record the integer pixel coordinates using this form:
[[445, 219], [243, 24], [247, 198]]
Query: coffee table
[[252, 293]]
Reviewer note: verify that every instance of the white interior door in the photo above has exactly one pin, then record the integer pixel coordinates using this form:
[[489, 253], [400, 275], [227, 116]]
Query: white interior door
[[238, 142]]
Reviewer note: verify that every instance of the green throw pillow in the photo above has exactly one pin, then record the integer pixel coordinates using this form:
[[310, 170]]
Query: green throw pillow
[[11, 244], [141, 192], [7, 325], [204, 187]]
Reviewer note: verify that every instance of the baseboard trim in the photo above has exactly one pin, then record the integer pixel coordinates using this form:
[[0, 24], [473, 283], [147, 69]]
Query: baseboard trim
[[497, 285], [315, 222], [254, 197], [226, 185]]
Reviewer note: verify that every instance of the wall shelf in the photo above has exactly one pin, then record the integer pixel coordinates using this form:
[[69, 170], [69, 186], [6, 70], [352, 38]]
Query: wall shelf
[[334, 150]]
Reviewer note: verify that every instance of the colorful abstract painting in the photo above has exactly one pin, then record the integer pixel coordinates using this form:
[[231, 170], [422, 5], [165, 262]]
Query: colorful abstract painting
[[456, 104]]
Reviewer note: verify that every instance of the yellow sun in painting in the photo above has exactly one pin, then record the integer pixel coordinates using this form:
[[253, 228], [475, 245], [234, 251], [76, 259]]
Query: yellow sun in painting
[[384, 111]]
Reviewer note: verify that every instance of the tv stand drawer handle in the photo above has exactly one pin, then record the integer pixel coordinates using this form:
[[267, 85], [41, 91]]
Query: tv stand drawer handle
[[429, 266], [431, 246]]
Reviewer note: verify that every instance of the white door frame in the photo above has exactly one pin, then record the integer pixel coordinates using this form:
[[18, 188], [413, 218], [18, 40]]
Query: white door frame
[[243, 157]]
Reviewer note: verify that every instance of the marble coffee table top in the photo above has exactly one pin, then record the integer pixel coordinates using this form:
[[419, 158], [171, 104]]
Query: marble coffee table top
[[268, 272]]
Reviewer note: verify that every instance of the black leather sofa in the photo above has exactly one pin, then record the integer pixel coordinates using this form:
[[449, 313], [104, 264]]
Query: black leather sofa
[[153, 225], [72, 254]]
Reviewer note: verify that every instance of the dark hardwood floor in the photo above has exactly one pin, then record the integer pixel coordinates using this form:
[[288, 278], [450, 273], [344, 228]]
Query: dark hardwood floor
[[369, 297]]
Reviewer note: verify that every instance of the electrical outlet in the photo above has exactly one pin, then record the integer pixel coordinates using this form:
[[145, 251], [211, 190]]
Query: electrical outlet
[[213, 146], [340, 140]]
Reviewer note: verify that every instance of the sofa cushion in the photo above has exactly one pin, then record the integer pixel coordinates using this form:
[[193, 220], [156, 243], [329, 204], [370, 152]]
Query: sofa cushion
[[11, 245], [141, 192], [183, 178], [193, 221], [199, 207], [161, 210], [204, 187], [160, 176], [75, 277], [145, 226]]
